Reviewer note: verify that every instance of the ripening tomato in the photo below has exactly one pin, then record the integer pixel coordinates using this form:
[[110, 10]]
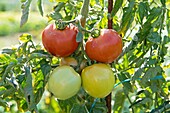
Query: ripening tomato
[[98, 80], [64, 82], [60, 43], [70, 61], [104, 48]]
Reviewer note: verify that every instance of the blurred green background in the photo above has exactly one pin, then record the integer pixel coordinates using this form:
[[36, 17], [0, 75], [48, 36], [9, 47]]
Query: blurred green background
[[10, 15]]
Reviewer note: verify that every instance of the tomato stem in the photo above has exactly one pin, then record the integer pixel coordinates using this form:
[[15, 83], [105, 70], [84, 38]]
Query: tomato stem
[[84, 12], [61, 25], [81, 28], [109, 97], [110, 7]]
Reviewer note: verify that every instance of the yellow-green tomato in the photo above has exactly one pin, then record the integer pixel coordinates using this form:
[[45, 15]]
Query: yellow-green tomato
[[64, 82], [98, 80]]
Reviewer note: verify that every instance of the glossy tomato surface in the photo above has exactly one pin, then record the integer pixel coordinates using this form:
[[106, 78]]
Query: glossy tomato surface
[[106, 47], [64, 82], [98, 80], [60, 43]]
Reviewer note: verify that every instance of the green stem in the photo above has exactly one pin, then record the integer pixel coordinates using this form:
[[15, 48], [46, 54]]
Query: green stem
[[156, 100], [133, 111], [81, 28], [84, 12], [88, 59]]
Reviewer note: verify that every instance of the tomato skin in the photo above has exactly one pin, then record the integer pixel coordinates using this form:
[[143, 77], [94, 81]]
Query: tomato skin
[[105, 48], [98, 80], [60, 43], [64, 82]]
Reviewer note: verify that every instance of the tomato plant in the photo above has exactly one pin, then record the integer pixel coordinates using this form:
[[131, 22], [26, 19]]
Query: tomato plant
[[64, 82], [138, 60], [98, 80], [104, 48], [60, 43]]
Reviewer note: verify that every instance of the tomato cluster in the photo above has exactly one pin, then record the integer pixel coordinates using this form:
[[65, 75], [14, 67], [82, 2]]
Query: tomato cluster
[[96, 79]]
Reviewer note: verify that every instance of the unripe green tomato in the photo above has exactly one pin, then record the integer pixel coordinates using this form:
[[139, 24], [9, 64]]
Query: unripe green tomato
[[64, 82], [98, 80]]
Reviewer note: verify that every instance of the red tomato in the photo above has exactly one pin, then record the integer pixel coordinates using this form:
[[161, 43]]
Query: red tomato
[[106, 47], [60, 43]]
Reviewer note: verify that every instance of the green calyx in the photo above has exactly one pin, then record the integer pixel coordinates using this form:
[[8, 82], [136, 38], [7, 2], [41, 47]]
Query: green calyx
[[60, 25], [95, 33]]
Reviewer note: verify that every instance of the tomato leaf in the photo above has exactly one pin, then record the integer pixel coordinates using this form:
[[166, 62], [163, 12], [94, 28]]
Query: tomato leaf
[[140, 62], [150, 73], [127, 85], [8, 69], [59, 6], [66, 105], [25, 12], [8, 51], [137, 74], [25, 37], [28, 90], [3, 102], [40, 7], [152, 21], [79, 37], [4, 58], [164, 107], [99, 106], [154, 37], [142, 11], [37, 55], [46, 69], [117, 5], [163, 2], [77, 108], [127, 18], [54, 16], [141, 101], [9, 92], [119, 101]]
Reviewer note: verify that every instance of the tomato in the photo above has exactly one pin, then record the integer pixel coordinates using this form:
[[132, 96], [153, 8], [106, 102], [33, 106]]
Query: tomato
[[70, 61], [64, 82], [98, 80], [60, 43], [105, 48]]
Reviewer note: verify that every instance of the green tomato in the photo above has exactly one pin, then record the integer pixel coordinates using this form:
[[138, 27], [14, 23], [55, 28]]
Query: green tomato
[[98, 80], [64, 82]]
